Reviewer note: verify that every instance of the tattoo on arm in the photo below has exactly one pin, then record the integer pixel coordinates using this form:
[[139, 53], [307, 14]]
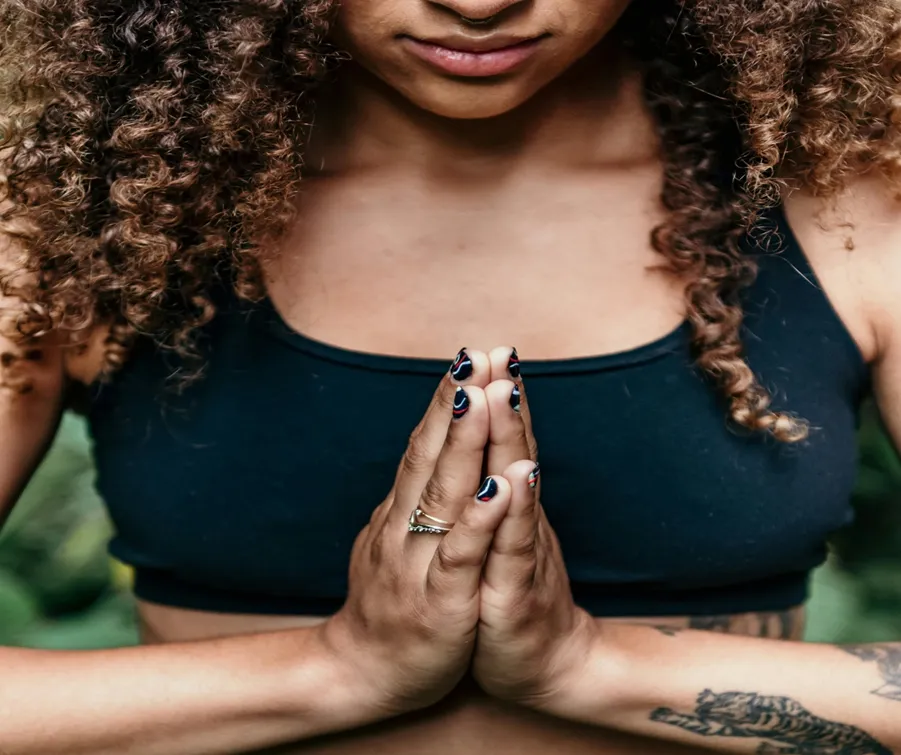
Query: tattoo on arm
[[782, 625], [783, 725], [710, 623], [888, 661]]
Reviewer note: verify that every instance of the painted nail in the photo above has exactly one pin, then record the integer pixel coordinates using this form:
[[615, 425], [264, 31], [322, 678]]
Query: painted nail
[[513, 365], [487, 491], [533, 476], [515, 399], [461, 369], [461, 403]]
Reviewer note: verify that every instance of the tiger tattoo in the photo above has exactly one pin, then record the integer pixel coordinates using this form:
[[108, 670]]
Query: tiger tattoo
[[784, 725]]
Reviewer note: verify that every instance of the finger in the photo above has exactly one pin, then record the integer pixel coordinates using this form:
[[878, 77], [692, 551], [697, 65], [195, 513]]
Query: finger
[[508, 439], [513, 556], [505, 366], [458, 470], [504, 362], [526, 414], [456, 567], [426, 441], [471, 367]]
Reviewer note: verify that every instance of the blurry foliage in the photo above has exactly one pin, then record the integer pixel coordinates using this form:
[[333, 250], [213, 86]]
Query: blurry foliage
[[59, 589], [859, 592]]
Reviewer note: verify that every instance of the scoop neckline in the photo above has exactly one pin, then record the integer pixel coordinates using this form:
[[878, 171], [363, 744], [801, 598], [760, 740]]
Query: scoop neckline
[[275, 323]]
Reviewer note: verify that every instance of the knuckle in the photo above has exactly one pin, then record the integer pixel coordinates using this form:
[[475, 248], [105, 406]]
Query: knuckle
[[362, 540], [450, 557], [436, 493], [416, 458], [468, 523], [376, 550], [523, 547], [380, 511]]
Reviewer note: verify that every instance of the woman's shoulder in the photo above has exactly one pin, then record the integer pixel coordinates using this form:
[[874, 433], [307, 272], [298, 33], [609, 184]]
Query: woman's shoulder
[[853, 243]]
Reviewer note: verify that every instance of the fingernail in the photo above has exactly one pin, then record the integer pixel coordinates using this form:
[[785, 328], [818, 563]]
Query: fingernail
[[533, 476], [513, 365], [461, 369], [515, 399], [461, 403], [487, 491]]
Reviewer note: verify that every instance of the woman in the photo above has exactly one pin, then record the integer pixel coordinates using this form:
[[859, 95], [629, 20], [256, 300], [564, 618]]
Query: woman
[[254, 300]]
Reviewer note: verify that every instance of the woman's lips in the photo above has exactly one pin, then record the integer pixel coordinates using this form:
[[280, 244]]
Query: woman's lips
[[470, 63]]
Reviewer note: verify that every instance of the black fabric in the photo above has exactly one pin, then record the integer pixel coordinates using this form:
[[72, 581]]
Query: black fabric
[[246, 494]]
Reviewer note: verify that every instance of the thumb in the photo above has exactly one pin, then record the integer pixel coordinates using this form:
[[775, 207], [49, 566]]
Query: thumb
[[456, 567], [512, 559]]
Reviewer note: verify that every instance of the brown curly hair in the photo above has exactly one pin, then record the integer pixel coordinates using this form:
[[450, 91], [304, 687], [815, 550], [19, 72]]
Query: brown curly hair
[[152, 150]]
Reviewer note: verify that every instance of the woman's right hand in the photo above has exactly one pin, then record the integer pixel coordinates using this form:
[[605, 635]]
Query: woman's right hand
[[408, 627]]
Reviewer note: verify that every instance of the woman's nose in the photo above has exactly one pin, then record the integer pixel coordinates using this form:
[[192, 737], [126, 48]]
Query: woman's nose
[[478, 10]]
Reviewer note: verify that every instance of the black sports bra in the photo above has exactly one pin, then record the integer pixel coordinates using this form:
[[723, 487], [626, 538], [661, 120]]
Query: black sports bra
[[245, 494]]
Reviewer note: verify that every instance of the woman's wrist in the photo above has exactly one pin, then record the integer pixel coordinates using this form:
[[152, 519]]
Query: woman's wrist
[[327, 685], [597, 687]]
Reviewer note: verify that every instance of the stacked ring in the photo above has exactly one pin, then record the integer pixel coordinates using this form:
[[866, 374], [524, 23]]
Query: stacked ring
[[440, 526]]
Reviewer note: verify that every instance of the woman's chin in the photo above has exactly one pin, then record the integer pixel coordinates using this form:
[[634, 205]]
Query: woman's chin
[[466, 101]]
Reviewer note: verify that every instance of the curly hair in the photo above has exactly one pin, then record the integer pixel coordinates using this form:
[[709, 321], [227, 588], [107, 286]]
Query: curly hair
[[153, 151]]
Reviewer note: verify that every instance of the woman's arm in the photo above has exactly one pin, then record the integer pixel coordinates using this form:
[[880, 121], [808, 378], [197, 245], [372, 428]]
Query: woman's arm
[[738, 694], [205, 697], [222, 696]]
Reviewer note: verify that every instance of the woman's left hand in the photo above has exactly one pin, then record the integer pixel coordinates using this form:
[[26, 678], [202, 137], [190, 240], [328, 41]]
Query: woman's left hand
[[533, 640]]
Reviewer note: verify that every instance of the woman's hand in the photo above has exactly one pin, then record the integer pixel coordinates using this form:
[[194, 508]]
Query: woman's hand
[[408, 628], [532, 639]]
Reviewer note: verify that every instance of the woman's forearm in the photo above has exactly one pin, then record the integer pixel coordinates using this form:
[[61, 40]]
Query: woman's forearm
[[740, 694], [218, 696]]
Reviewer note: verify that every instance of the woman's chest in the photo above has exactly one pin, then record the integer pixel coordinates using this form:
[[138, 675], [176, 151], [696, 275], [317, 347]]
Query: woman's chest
[[420, 271]]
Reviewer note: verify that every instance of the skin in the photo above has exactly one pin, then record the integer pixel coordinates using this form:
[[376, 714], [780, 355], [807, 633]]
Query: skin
[[409, 152]]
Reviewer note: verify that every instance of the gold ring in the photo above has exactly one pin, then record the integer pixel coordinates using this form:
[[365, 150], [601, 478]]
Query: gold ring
[[440, 527]]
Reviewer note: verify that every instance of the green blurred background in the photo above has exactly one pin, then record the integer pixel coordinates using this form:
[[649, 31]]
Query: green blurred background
[[59, 589]]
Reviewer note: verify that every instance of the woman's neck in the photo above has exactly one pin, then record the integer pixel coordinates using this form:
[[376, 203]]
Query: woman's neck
[[594, 115]]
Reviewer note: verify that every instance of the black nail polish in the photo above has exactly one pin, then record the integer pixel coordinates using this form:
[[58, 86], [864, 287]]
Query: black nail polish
[[515, 399], [513, 365], [487, 491], [461, 369], [533, 476], [461, 403]]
